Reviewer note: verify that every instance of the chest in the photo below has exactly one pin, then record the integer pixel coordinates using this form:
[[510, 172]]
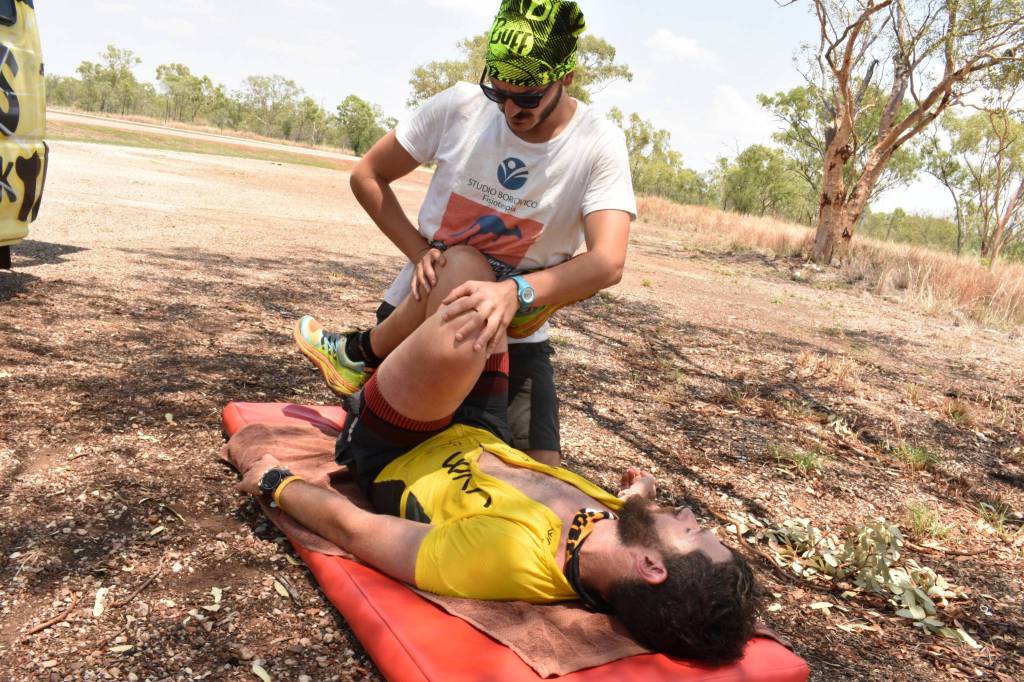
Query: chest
[[483, 161], [563, 499]]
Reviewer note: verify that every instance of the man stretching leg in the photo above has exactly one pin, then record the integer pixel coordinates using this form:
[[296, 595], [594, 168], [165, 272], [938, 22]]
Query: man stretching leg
[[461, 513], [526, 174]]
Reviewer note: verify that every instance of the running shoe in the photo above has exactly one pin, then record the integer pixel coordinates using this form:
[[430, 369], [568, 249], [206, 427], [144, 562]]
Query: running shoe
[[327, 352]]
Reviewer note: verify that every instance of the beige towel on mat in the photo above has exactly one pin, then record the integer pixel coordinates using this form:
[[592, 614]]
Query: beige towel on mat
[[553, 640]]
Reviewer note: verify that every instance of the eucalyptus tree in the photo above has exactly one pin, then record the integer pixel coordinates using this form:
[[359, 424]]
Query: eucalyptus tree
[[924, 55]]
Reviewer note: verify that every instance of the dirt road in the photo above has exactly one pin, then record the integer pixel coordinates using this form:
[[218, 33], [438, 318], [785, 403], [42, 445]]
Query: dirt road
[[157, 286]]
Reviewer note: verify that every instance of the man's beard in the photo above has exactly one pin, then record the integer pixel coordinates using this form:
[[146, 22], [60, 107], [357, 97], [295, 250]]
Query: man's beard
[[547, 111], [637, 527]]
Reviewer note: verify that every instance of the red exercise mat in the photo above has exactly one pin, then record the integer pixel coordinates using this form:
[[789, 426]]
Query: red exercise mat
[[411, 639]]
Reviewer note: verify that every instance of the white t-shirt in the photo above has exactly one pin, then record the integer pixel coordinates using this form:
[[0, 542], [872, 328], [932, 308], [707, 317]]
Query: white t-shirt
[[521, 203]]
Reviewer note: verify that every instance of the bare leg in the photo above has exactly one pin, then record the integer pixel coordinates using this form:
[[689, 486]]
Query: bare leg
[[429, 374], [464, 264]]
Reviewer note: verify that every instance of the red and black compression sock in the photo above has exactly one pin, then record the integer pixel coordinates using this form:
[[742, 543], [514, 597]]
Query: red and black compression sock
[[491, 389], [389, 423]]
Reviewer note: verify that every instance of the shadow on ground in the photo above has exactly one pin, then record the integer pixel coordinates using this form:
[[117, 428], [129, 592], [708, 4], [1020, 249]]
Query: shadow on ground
[[137, 373], [13, 283], [30, 253]]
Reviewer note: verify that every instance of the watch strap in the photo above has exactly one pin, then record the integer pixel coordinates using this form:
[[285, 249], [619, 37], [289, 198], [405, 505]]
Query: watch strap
[[280, 489], [521, 284]]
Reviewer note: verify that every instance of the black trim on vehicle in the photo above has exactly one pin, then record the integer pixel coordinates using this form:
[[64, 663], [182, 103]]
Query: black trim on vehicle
[[9, 12], [42, 186]]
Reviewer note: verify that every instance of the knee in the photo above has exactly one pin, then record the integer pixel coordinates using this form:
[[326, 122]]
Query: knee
[[464, 264], [451, 350]]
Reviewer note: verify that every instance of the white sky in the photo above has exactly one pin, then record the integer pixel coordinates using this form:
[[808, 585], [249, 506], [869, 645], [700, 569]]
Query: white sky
[[698, 66]]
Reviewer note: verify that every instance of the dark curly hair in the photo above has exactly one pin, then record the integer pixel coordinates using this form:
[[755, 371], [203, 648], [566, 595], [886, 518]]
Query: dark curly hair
[[703, 610]]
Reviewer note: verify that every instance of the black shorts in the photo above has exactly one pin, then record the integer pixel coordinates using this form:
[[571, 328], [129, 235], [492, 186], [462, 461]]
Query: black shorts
[[374, 435], [533, 403]]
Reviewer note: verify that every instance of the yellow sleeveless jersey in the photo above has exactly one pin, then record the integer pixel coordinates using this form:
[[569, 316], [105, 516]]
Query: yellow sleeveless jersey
[[488, 541]]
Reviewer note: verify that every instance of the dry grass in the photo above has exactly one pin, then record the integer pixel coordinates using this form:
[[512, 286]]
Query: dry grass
[[806, 462], [728, 230], [917, 457], [959, 412], [938, 282], [201, 127], [840, 369], [924, 522], [75, 132]]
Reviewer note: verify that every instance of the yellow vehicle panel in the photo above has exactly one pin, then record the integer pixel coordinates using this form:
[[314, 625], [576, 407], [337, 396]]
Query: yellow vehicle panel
[[23, 153]]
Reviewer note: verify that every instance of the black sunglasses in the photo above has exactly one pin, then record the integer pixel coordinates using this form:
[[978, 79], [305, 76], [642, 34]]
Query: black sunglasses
[[523, 100]]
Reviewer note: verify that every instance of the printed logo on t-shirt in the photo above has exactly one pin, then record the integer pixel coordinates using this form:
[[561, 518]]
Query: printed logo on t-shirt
[[513, 173], [499, 235]]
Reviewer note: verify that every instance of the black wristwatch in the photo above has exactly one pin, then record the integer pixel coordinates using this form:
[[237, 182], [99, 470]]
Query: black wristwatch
[[439, 245], [272, 479]]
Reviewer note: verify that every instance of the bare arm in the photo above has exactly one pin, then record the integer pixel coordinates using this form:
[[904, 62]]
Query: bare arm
[[387, 543], [599, 267], [371, 182]]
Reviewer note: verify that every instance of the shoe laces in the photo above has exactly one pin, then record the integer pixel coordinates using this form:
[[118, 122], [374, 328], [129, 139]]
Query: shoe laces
[[329, 342]]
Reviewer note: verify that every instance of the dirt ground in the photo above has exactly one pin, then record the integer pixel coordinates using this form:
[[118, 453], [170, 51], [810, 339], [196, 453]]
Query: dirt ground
[[157, 286]]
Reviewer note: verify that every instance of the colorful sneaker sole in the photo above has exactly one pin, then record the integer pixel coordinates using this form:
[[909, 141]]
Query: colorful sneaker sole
[[339, 384]]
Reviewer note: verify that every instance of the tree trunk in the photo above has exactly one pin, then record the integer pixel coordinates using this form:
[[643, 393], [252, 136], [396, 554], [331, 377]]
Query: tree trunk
[[997, 249], [835, 227], [835, 230], [959, 226]]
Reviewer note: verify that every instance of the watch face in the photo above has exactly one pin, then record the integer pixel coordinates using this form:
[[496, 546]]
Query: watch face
[[270, 480], [528, 295]]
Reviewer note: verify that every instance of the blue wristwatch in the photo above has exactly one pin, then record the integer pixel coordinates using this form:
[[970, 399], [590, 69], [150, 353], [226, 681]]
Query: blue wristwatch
[[524, 293]]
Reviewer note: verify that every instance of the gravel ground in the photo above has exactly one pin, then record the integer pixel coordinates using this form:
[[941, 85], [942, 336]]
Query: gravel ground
[[157, 286]]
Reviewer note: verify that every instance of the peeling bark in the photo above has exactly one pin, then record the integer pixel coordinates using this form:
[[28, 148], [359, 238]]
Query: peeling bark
[[843, 49]]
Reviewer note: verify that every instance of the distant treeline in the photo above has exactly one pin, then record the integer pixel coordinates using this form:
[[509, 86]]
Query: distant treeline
[[272, 106]]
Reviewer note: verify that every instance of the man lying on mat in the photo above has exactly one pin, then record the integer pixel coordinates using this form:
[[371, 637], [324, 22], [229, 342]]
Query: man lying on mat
[[461, 513]]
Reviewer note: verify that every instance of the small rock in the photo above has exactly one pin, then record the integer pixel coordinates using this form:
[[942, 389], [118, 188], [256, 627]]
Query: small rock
[[322, 661], [245, 653], [132, 677], [305, 678]]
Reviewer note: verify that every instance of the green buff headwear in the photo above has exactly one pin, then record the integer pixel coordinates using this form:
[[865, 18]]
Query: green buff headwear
[[533, 42]]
